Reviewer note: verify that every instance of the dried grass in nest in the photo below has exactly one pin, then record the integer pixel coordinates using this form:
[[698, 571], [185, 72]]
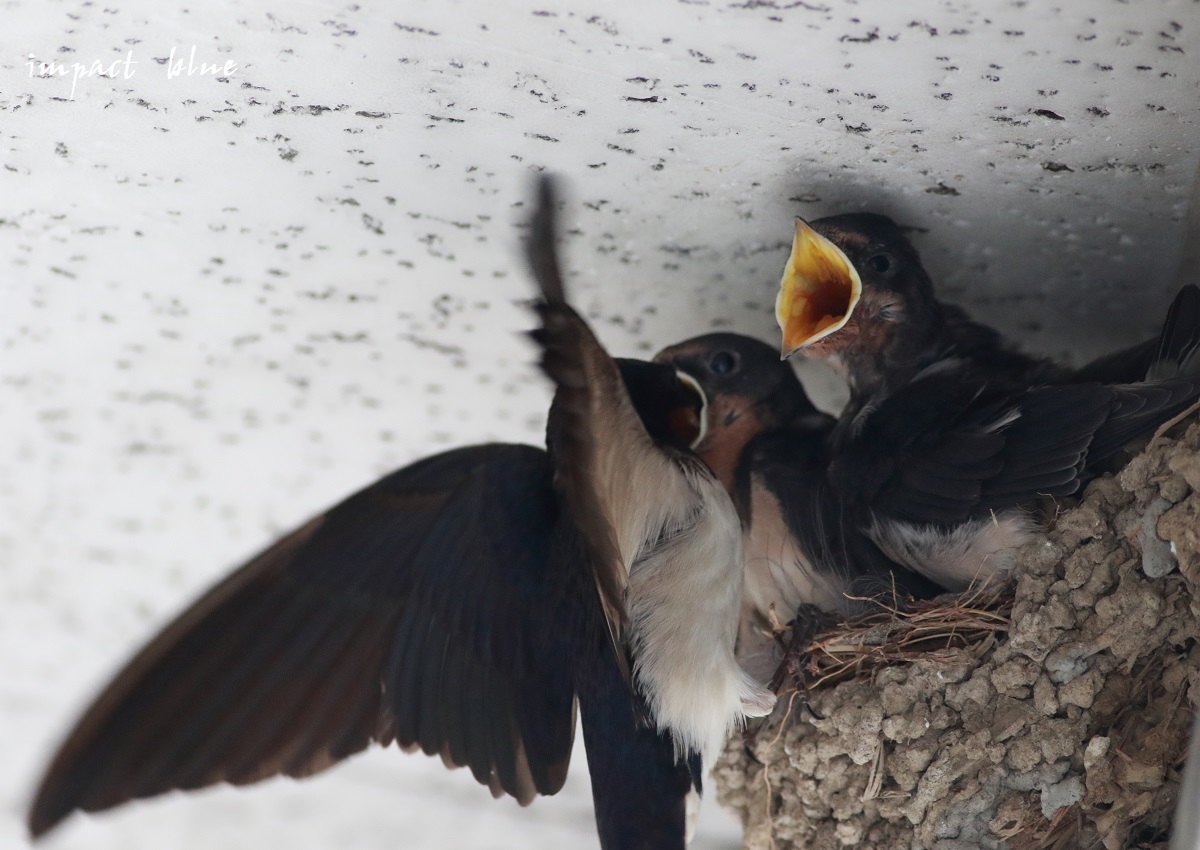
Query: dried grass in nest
[[919, 630], [1028, 830]]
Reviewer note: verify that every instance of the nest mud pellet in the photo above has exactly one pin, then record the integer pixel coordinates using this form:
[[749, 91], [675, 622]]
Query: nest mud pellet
[[1051, 711]]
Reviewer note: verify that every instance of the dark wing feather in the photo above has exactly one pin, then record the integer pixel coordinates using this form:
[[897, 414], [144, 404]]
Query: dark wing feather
[[958, 451], [639, 786], [1141, 408], [415, 610], [580, 369], [1168, 355], [938, 452], [1046, 447], [1180, 337], [1120, 367], [938, 478], [920, 455]]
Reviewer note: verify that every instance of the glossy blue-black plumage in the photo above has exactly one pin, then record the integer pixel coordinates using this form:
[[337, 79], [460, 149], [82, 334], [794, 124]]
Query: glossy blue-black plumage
[[448, 606]]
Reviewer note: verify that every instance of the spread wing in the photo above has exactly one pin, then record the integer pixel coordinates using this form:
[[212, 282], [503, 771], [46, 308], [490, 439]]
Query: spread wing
[[615, 479], [414, 611]]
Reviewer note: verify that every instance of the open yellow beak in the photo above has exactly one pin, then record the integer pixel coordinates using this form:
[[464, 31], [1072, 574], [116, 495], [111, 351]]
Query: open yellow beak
[[819, 290]]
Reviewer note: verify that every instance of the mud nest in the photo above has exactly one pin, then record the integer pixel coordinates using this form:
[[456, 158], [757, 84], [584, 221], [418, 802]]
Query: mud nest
[[1048, 712]]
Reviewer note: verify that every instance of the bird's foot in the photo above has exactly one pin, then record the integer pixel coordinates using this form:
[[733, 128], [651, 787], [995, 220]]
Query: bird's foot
[[750, 741], [793, 670]]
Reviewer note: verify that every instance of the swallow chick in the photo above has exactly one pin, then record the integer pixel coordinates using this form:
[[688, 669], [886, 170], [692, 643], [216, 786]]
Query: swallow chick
[[855, 294], [952, 437], [663, 533], [768, 444]]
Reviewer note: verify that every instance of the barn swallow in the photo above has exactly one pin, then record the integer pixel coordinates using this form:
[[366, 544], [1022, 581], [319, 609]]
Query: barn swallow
[[952, 435], [444, 607], [451, 606], [663, 534], [768, 444]]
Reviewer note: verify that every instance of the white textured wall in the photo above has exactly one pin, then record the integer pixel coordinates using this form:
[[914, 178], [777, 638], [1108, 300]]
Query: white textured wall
[[225, 303]]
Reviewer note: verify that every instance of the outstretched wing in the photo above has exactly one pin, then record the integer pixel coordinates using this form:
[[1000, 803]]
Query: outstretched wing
[[415, 611]]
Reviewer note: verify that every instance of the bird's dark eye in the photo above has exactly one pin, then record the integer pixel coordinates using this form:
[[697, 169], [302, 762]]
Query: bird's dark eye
[[722, 363], [882, 263]]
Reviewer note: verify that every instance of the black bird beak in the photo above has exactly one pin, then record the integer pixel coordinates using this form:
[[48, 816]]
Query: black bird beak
[[671, 403]]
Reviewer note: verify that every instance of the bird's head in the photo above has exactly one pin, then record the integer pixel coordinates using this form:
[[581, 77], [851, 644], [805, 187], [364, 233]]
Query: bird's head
[[747, 388], [853, 286]]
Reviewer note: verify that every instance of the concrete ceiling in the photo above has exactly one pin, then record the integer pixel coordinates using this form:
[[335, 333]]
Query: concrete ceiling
[[229, 300]]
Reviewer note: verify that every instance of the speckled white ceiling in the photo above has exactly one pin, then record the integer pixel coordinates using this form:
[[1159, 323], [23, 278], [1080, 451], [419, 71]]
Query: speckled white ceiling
[[228, 301]]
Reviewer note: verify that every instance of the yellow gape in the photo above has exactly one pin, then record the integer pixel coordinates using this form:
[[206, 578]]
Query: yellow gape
[[819, 290]]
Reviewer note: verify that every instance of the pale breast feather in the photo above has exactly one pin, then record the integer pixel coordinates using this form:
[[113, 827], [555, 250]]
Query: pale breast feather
[[684, 598]]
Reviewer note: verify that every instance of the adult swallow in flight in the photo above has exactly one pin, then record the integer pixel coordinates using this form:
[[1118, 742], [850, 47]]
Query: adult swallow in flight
[[769, 445], [664, 536], [951, 435], [450, 606]]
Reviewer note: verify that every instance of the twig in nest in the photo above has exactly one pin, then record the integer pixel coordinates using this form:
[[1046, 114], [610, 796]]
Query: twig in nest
[[895, 635], [1175, 420]]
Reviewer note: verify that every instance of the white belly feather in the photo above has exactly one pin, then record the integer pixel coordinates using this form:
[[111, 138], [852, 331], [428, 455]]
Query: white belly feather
[[957, 557], [778, 572], [684, 597]]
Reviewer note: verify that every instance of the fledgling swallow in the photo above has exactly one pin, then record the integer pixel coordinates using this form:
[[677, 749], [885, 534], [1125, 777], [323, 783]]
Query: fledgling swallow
[[855, 294], [952, 435], [768, 444], [451, 606], [664, 536]]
